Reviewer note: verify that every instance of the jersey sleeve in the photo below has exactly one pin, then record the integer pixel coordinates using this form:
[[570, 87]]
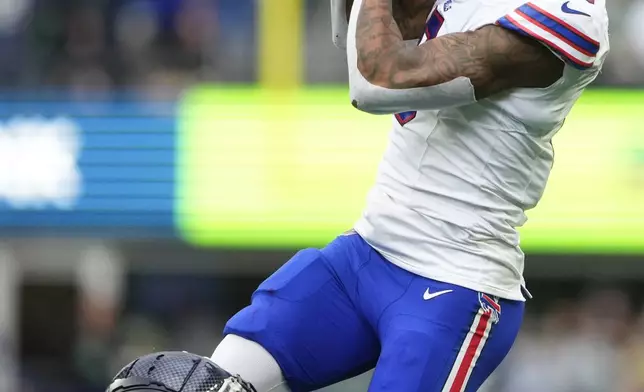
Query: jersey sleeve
[[569, 28]]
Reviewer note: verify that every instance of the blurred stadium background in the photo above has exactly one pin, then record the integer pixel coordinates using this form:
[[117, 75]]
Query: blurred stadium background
[[159, 158]]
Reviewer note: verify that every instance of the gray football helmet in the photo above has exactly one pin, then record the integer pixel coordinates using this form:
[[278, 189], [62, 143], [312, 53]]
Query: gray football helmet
[[176, 372]]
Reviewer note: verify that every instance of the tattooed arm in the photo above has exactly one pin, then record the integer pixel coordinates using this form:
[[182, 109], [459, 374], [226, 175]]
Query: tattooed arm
[[492, 58], [410, 16]]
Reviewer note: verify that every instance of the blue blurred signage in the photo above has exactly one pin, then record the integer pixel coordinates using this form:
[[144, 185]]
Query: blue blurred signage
[[99, 167]]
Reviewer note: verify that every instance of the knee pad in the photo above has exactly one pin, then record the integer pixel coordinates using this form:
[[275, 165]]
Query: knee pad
[[251, 361]]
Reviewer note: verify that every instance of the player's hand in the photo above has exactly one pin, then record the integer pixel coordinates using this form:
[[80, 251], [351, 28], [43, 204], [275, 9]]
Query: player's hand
[[411, 16]]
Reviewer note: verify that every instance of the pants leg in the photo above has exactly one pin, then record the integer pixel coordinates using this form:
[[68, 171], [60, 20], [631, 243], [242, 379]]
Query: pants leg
[[443, 338], [304, 318]]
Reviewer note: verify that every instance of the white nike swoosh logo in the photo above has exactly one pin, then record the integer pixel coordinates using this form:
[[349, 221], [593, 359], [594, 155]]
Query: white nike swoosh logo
[[427, 296]]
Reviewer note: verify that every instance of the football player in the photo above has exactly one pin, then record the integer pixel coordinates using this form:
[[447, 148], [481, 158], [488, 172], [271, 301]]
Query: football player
[[427, 287]]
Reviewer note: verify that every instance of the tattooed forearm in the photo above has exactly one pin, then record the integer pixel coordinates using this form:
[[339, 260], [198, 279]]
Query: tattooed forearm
[[410, 16], [378, 40], [494, 59]]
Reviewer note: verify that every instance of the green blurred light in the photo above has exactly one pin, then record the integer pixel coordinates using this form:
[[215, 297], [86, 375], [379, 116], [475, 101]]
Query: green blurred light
[[292, 169]]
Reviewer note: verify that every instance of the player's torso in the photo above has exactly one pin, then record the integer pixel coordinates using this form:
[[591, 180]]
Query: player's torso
[[454, 183]]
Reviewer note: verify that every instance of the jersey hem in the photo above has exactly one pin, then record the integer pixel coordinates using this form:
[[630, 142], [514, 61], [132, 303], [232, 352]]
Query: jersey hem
[[458, 280]]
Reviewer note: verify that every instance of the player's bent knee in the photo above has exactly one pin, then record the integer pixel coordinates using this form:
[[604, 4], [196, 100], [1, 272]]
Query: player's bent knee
[[251, 362]]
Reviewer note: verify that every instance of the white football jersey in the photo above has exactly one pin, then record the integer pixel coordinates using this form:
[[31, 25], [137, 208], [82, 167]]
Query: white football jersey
[[454, 184]]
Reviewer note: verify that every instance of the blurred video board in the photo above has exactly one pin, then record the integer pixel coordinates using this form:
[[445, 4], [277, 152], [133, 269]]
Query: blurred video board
[[241, 167], [293, 170], [96, 167]]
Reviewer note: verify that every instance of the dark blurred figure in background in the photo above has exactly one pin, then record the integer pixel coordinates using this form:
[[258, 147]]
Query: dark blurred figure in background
[[99, 45]]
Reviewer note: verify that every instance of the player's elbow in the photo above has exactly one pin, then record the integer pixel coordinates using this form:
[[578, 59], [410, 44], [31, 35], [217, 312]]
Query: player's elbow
[[367, 98]]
